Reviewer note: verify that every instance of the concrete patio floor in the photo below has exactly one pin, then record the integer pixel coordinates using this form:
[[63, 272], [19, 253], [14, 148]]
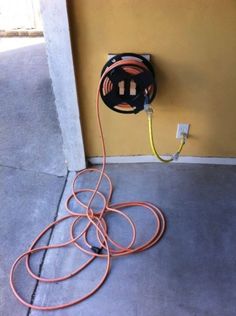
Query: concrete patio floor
[[32, 166], [29, 130], [190, 272], [29, 201]]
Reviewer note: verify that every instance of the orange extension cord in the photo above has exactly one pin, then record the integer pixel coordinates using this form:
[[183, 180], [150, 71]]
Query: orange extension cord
[[108, 247], [132, 67]]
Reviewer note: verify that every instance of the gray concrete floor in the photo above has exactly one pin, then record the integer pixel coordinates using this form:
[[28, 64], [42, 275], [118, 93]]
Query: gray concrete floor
[[32, 167], [191, 272], [29, 130], [29, 201]]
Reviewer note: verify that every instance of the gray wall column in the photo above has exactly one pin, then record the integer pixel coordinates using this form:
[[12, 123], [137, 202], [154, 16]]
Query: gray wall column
[[61, 68]]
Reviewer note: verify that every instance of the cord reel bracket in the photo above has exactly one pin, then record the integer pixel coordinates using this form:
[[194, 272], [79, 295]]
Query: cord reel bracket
[[127, 88]]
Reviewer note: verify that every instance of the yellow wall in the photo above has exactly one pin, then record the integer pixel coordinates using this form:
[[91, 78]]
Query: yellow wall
[[193, 48]]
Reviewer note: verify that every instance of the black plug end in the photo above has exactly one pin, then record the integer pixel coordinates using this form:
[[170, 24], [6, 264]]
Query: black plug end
[[96, 249]]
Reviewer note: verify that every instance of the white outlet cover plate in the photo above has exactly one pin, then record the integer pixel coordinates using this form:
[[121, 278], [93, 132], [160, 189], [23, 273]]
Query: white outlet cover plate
[[182, 128]]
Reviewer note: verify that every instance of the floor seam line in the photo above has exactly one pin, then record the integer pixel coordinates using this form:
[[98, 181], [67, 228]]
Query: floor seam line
[[39, 172], [48, 242]]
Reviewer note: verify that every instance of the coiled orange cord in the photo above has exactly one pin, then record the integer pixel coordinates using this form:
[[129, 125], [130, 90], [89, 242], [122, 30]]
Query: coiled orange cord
[[107, 246], [132, 67]]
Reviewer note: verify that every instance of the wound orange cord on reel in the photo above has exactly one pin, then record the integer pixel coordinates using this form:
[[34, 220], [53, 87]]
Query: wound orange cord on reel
[[124, 88], [108, 248]]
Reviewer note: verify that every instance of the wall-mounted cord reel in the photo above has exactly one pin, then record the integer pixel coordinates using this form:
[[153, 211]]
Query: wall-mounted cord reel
[[127, 87]]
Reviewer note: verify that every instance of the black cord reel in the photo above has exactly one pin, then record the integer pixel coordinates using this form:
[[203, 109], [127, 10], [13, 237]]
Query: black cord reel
[[127, 88]]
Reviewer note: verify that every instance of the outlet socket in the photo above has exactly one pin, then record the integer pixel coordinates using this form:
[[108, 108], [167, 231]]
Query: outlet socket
[[182, 128]]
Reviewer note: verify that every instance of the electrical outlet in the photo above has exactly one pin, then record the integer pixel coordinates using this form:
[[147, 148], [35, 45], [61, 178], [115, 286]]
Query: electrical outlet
[[182, 129]]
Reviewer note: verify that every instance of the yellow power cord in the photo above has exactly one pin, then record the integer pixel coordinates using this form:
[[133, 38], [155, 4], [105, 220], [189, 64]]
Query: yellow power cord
[[149, 112]]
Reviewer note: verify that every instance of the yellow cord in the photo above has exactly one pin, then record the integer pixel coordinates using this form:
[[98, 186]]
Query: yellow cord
[[176, 155]]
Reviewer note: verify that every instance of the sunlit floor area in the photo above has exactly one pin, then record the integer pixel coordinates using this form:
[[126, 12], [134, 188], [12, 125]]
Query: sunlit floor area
[[29, 129]]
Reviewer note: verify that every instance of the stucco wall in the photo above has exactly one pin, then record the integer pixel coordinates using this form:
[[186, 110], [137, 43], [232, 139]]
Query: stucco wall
[[193, 48]]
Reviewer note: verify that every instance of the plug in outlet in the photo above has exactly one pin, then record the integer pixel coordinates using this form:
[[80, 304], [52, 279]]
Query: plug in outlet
[[182, 129]]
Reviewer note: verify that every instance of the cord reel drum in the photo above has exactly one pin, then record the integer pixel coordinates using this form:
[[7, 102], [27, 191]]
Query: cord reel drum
[[129, 85]]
